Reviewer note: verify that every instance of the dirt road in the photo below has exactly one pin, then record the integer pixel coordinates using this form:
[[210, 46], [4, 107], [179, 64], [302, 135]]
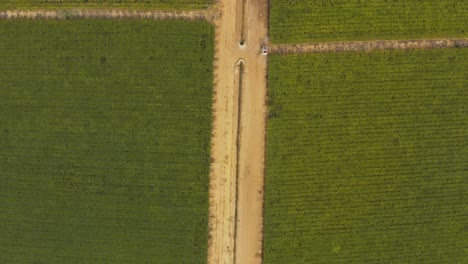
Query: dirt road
[[224, 141], [236, 203], [111, 13], [368, 45], [252, 136]]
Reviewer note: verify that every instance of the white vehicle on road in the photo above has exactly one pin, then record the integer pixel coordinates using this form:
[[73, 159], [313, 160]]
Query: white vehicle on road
[[265, 50]]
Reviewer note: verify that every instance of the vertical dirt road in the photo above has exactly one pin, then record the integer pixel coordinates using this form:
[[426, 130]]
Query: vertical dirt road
[[238, 144], [252, 137], [223, 150]]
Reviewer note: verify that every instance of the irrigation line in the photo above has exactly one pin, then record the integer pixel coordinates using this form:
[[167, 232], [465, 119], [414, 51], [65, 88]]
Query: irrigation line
[[368, 46]]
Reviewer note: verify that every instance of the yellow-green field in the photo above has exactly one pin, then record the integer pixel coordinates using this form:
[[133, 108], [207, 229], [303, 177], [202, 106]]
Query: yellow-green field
[[366, 157], [298, 21], [105, 141]]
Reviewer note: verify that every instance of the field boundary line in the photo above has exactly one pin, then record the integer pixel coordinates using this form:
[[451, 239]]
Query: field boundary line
[[322, 47], [209, 14]]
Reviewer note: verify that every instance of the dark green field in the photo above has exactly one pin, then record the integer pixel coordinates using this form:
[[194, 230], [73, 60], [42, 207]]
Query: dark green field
[[298, 21], [366, 157], [121, 4], [104, 141]]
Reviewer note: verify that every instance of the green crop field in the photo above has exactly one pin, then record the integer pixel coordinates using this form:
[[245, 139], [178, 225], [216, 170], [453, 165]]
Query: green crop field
[[366, 157], [127, 4], [105, 133], [298, 21]]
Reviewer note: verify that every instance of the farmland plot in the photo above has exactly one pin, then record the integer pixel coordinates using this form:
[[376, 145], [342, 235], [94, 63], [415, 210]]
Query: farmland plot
[[366, 157], [104, 141], [298, 21], [121, 4]]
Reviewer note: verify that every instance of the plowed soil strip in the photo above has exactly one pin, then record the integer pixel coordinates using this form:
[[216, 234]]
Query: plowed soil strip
[[369, 45], [112, 14]]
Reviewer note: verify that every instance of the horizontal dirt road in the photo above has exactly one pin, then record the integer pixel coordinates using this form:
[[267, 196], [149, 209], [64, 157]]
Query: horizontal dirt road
[[368, 45], [209, 15]]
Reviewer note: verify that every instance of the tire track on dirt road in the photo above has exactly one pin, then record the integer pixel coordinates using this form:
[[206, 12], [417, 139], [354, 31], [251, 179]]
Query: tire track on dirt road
[[368, 45]]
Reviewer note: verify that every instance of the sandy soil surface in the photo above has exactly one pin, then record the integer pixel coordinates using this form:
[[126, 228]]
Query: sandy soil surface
[[249, 235], [102, 13], [368, 45], [239, 134], [223, 150]]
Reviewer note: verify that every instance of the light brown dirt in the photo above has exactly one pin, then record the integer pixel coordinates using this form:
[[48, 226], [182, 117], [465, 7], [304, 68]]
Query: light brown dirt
[[223, 148], [252, 137], [236, 234], [369, 45], [113, 14]]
